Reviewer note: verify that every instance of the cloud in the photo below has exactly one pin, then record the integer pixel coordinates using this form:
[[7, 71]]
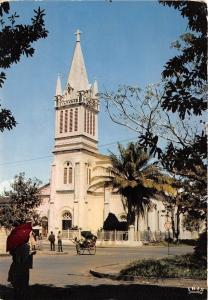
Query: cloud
[[5, 185]]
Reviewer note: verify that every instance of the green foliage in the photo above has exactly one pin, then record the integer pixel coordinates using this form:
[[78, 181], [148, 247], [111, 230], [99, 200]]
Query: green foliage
[[200, 251], [21, 201], [185, 85], [186, 73], [15, 41], [112, 223], [184, 266], [136, 178], [169, 117], [7, 120]]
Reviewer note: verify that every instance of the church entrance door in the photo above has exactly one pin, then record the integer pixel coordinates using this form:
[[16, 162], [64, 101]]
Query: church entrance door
[[66, 221]]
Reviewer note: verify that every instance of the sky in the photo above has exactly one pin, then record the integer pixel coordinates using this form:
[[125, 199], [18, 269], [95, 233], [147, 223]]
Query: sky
[[123, 42]]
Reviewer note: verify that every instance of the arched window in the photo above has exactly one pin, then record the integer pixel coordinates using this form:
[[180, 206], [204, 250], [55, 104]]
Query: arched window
[[66, 220], [68, 173]]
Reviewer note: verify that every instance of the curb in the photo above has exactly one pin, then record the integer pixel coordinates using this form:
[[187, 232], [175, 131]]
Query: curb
[[52, 252], [124, 277], [142, 280], [112, 276], [4, 254]]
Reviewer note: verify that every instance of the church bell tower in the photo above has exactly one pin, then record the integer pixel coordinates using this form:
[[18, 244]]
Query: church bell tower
[[77, 107]]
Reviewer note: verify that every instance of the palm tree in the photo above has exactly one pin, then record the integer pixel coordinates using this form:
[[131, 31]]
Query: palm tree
[[136, 178]]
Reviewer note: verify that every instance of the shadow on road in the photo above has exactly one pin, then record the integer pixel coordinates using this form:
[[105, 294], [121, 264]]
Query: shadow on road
[[103, 292]]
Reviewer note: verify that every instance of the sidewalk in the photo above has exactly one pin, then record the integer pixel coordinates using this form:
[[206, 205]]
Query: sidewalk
[[102, 244]]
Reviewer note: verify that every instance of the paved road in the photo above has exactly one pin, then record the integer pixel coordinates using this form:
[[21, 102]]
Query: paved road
[[64, 269], [66, 276]]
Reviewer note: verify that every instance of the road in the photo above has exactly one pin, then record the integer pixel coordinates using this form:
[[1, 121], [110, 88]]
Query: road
[[69, 268], [66, 276]]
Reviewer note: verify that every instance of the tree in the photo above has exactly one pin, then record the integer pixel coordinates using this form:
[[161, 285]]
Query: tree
[[185, 85], [186, 73], [136, 178], [169, 117], [15, 41], [142, 112], [20, 201]]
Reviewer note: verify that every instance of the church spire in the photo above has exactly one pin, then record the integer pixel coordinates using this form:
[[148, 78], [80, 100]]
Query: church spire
[[95, 89], [77, 78], [58, 86]]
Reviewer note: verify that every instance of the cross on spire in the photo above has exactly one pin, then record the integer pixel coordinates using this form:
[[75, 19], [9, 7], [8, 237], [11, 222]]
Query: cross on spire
[[78, 33]]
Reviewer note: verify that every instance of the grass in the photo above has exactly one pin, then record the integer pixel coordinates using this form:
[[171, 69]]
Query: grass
[[180, 266]]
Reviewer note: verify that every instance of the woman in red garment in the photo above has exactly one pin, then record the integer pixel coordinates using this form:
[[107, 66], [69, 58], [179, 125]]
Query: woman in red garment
[[18, 246]]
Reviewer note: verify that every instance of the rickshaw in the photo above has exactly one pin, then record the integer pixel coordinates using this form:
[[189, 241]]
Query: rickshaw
[[86, 244]]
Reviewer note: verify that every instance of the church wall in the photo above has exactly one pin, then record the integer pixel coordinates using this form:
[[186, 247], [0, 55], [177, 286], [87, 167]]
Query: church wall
[[43, 209], [95, 212], [63, 203], [116, 206]]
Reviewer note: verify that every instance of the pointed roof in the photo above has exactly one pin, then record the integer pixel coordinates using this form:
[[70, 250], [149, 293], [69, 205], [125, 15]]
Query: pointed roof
[[78, 75], [58, 86], [95, 89]]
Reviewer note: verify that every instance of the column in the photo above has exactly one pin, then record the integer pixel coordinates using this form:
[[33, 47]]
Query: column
[[106, 203], [51, 225], [131, 234], [51, 217]]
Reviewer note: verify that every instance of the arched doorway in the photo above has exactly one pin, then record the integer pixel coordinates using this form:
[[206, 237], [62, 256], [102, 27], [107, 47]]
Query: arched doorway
[[66, 220], [44, 225]]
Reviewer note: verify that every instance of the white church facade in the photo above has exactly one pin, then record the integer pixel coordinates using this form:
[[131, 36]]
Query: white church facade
[[69, 201]]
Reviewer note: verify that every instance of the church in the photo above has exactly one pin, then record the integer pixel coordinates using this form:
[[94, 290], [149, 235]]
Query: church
[[69, 201]]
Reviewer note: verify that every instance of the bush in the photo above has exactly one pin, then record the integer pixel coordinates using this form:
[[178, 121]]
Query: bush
[[112, 223], [200, 251], [181, 266]]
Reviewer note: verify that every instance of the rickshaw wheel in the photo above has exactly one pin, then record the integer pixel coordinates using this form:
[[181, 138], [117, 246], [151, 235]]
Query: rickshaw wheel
[[82, 251], [92, 251]]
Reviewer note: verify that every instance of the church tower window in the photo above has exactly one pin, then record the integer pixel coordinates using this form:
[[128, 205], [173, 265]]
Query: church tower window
[[65, 175], [68, 173], [61, 121], [71, 121], [85, 119], [66, 121], [93, 131], [90, 122], [76, 119]]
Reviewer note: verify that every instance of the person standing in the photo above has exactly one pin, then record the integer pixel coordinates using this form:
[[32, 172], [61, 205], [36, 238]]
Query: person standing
[[19, 248], [59, 237], [51, 238], [32, 241]]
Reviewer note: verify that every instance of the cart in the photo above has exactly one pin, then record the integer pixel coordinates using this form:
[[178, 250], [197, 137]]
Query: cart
[[87, 244]]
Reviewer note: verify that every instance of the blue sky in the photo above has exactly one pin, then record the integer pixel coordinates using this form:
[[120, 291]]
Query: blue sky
[[122, 42]]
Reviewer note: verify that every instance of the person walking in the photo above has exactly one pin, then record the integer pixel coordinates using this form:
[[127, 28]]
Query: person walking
[[59, 237], [51, 238]]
